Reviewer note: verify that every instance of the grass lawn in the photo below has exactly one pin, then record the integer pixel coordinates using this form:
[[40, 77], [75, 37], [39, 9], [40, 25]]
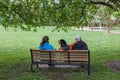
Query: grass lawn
[[115, 29], [15, 55]]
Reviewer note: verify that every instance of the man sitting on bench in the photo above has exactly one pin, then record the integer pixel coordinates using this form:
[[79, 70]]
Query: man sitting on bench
[[78, 44]]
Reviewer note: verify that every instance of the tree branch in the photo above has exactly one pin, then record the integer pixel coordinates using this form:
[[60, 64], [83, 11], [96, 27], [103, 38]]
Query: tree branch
[[18, 14], [116, 2], [103, 3], [61, 6], [82, 12], [3, 5]]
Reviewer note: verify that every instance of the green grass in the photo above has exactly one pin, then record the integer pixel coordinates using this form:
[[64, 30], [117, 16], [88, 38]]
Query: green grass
[[15, 55], [115, 29]]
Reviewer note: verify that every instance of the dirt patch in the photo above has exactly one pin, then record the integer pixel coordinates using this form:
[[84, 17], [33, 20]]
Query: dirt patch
[[114, 65], [55, 74], [60, 73]]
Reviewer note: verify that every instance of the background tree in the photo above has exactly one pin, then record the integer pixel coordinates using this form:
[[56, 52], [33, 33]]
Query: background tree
[[29, 14]]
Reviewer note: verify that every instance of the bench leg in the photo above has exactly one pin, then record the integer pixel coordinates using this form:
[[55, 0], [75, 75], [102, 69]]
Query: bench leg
[[88, 69], [31, 67], [50, 64], [37, 65], [88, 63]]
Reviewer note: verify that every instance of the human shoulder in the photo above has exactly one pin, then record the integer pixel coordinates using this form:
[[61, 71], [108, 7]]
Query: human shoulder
[[80, 43], [84, 42]]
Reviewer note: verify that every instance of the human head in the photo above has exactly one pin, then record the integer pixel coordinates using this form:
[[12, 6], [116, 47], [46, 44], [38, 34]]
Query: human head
[[77, 37], [62, 42], [44, 40]]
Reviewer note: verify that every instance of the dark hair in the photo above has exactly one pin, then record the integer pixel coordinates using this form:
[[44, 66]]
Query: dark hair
[[44, 40], [62, 42]]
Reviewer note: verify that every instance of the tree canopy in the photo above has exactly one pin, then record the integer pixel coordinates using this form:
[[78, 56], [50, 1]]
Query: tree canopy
[[61, 13]]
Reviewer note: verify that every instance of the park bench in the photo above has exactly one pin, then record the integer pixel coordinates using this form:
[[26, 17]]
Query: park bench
[[56, 57]]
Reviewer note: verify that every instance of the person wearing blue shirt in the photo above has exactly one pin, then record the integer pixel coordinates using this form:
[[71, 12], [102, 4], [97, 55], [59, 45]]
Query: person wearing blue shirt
[[45, 45]]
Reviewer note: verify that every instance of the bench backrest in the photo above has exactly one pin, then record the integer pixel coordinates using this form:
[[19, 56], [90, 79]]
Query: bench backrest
[[55, 55], [81, 55], [38, 55]]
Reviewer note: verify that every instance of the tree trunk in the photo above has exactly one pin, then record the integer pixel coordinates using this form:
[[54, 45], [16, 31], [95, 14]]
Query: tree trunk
[[92, 25], [109, 24], [82, 29], [91, 28], [108, 29]]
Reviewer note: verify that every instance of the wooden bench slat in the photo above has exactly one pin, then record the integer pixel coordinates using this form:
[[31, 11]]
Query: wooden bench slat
[[44, 58], [36, 59], [73, 59], [78, 53], [40, 53], [61, 59], [35, 54], [74, 62], [79, 57]]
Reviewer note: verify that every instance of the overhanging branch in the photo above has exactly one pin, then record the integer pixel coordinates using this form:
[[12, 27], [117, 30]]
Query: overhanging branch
[[116, 2], [2, 5], [103, 3], [82, 12]]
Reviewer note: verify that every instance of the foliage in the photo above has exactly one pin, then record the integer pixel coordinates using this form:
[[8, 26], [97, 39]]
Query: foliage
[[36, 13], [15, 55]]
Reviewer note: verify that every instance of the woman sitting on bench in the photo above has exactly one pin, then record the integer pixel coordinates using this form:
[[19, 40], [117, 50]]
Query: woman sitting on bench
[[45, 45]]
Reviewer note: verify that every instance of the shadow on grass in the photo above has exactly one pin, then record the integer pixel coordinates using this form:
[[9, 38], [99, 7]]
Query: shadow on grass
[[22, 72]]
